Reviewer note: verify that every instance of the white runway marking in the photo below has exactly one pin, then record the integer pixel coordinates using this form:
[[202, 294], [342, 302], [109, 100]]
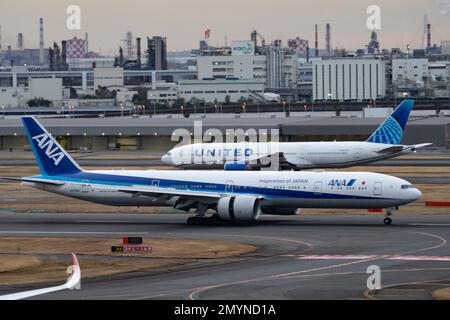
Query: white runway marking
[[360, 257], [108, 221], [430, 224], [70, 232], [337, 257]]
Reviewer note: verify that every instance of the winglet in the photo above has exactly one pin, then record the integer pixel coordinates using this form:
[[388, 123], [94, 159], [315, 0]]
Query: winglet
[[392, 129], [72, 283]]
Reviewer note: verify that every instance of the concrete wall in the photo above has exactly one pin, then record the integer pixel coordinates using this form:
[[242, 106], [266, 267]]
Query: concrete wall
[[106, 77], [50, 88]]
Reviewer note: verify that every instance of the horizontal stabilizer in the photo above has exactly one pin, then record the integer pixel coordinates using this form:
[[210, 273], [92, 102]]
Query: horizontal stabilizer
[[34, 180], [400, 148]]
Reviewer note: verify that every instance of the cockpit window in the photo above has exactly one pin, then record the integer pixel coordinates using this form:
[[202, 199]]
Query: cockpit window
[[408, 186]]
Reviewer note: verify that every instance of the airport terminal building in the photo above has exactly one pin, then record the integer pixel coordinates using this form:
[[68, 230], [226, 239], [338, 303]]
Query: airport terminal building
[[157, 133]]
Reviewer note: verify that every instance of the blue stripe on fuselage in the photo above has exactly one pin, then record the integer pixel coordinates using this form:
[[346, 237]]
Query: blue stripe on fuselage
[[119, 180]]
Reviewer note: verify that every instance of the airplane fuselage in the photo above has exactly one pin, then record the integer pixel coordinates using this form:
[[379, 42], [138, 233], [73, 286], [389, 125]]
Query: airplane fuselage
[[275, 189], [304, 155]]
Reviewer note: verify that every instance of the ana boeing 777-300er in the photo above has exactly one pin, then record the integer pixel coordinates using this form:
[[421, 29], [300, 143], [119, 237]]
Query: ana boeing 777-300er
[[382, 144], [235, 196]]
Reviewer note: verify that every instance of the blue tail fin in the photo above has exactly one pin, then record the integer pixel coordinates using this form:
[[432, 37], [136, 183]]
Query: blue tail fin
[[391, 130], [50, 156]]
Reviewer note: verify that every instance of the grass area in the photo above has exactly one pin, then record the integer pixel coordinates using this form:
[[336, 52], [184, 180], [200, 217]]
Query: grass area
[[32, 260], [441, 294]]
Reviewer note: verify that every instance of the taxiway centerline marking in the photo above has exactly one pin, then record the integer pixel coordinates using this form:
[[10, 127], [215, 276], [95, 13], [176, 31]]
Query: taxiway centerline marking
[[70, 232], [361, 257]]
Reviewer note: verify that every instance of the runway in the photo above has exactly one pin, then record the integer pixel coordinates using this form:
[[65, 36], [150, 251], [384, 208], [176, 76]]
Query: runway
[[299, 257]]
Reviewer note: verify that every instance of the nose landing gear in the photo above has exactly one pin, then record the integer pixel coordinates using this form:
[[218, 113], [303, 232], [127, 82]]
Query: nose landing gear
[[389, 212]]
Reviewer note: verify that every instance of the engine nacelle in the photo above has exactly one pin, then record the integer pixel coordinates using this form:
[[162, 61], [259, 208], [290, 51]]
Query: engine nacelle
[[235, 166], [280, 211], [240, 208]]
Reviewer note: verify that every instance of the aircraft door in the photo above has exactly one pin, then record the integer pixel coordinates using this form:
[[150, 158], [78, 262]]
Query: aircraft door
[[85, 187], [318, 188], [229, 186], [377, 188]]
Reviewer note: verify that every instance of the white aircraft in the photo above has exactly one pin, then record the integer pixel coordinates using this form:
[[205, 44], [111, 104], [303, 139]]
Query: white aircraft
[[72, 283], [382, 144], [236, 196]]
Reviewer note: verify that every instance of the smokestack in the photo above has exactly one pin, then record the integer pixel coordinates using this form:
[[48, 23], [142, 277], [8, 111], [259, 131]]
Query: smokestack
[[129, 42], [428, 37], [0, 37], [120, 56], [328, 38], [138, 51], [86, 43], [307, 53], [317, 41], [41, 41], [20, 41], [57, 55], [64, 53], [51, 58]]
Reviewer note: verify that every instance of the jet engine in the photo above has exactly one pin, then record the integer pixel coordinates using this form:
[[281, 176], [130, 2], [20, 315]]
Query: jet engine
[[235, 166], [240, 208]]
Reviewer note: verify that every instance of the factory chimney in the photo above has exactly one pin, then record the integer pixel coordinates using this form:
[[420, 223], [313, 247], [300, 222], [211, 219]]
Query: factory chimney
[[57, 55], [0, 37], [428, 37], [121, 60], [138, 52], [64, 54], [86, 43], [129, 43], [41, 41], [307, 53], [20, 41], [317, 40], [51, 58], [328, 38]]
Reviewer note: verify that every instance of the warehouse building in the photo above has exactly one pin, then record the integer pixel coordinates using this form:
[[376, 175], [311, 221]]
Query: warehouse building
[[349, 79]]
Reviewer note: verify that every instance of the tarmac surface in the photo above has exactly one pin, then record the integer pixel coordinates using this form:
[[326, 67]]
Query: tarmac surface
[[298, 257]]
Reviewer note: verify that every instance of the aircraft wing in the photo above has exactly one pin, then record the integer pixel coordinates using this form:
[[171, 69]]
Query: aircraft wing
[[164, 193], [35, 180], [72, 283], [264, 161], [400, 148]]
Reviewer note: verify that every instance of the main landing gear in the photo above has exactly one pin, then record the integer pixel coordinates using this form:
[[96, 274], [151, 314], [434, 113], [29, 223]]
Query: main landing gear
[[389, 212], [201, 218]]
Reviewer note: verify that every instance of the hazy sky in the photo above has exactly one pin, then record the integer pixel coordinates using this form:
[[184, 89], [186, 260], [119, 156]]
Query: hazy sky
[[184, 21]]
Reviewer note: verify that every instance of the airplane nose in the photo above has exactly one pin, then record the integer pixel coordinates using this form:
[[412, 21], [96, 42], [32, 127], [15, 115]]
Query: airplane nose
[[416, 193], [167, 159]]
